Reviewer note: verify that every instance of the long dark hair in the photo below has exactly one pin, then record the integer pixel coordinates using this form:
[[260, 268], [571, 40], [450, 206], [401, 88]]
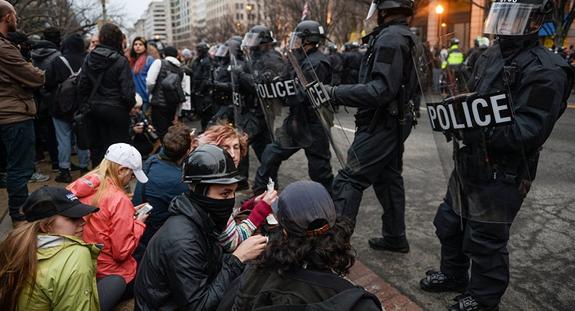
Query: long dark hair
[[18, 261], [331, 251], [111, 35]]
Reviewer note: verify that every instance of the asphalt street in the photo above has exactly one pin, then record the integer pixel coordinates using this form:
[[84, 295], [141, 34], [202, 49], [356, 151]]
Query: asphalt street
[[542, 242]]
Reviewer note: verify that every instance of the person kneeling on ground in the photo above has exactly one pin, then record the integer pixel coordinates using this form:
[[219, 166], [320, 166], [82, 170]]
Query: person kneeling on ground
[[44, 263], [184, 267], [304, 261], [115, 225]]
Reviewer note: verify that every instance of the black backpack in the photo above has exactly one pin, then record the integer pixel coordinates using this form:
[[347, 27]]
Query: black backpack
[[66, 94], [172, 86]]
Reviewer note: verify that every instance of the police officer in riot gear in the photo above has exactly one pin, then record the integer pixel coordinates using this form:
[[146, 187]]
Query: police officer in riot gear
[[222, 88], [258, 52], [495, 168], [315, 65], [384, 119], [336, 60], [351, 63], [201, 71]]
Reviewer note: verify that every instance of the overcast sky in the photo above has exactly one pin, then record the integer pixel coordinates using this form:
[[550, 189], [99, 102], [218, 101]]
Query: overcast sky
[[133, 8]]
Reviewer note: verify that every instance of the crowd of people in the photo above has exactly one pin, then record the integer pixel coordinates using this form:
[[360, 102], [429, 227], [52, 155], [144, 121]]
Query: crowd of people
[[179, 240]]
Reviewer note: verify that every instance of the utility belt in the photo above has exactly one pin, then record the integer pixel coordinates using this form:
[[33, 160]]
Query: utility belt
[[478, 166]]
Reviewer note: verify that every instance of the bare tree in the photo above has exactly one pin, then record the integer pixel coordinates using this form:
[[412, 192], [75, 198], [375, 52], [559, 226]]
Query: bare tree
[[563, 16]]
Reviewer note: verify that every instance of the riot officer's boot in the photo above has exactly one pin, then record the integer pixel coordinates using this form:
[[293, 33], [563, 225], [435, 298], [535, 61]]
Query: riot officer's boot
[[437, 281], [398, 245], [468, 303]]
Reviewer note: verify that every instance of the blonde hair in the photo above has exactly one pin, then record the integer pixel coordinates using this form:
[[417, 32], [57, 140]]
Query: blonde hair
[[107, 170], [19, 261]]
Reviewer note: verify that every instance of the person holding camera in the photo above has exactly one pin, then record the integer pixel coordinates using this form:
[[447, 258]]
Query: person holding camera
[[142, 134]]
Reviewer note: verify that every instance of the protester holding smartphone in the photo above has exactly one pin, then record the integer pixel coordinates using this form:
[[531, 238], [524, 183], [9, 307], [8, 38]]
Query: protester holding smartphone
[[116, 225]]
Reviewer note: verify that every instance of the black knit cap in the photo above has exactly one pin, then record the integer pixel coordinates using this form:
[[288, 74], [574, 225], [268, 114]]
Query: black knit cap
[[50, 201]]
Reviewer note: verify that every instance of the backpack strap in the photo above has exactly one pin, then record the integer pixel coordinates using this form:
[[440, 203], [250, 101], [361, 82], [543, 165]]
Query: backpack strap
[[65, 61]]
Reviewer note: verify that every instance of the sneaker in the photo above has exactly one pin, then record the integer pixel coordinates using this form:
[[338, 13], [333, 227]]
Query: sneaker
[[437, 281], [37, 177], [468, 303], [64, 176], [398, 245]]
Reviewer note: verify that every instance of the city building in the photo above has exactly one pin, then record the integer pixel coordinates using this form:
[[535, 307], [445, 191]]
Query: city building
[[157, 22]]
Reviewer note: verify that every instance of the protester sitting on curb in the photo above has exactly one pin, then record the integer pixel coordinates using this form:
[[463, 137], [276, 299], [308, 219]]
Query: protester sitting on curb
[[114, 225], [184, 268], [164, 171], [304, 261], [44, 264], [235, 143]]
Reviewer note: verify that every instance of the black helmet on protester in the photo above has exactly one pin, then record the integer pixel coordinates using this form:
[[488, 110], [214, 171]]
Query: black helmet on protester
[[210, 164], [517, 17], [257, 36], [400, 6]]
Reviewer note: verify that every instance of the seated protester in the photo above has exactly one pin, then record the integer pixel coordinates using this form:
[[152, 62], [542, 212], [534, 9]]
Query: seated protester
[[164, 102], [235, 143], [114, 225], [164, 171], [305, 261], [44, 264], [184, 268], [142, 134]]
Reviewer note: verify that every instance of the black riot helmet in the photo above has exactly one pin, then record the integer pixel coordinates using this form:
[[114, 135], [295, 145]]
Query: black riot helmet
[[332, 48], [307, 32], [257, 36], [202, 48], [454, 41], [392, 6], [210, 164], [517, 17]]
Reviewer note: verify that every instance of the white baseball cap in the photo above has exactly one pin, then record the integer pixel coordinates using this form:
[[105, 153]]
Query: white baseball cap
[[127, 156]]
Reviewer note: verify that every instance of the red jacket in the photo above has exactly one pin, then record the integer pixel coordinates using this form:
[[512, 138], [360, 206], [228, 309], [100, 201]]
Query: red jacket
[[114, 226]]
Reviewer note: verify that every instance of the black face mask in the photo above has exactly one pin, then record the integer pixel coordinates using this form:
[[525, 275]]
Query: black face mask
[[219, 211]]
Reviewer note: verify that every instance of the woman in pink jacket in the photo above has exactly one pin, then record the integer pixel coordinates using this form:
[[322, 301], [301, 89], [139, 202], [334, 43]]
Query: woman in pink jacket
[[115, 225]]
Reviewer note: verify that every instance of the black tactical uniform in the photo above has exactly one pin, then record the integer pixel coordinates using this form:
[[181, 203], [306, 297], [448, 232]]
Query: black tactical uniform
[[497, 166], [317, 151], [384, 117], [351, 63], [201, 76], [336, 60]]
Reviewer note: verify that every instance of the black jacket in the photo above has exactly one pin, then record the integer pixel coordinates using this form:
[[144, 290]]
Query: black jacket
[[297, 289], [43, 55], [351, 63], [117, 86], [184, 267], [74, 52], [386, 65]]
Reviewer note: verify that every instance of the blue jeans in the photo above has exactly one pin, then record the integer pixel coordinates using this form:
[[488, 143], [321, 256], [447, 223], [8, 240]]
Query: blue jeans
[[64, 137], [19, 140]]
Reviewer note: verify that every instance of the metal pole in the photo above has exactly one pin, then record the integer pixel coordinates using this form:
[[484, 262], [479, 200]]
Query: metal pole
[[104, 12]]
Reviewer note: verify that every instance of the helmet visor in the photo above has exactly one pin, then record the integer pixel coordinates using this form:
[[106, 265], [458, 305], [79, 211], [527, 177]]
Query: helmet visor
[[251, 40], [372, 10], [222, 51], [513, 19], [295, 41]]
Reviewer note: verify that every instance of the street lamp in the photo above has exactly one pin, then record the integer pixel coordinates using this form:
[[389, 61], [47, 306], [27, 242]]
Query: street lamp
[[439, 10]]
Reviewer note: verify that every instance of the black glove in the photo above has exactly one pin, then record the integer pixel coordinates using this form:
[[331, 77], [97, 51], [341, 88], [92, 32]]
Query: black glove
[[330, 91]]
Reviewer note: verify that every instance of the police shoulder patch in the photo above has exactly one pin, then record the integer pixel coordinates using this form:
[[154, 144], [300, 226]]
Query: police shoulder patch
[[541, 97], [385, 55]]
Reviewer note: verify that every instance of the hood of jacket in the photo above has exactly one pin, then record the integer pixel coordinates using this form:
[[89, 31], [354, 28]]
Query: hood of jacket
[[85, 186], [73, 44], [102, 57], [50, 245], [174, 61], [43, 49]]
